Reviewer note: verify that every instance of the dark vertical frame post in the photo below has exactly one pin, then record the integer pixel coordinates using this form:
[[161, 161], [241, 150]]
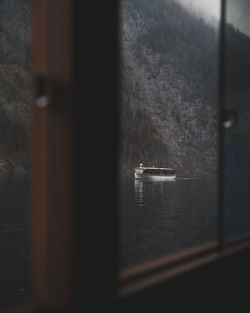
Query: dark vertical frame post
[[52, 153], [60, 153], [39, 159], [96, 118], [220, 129]]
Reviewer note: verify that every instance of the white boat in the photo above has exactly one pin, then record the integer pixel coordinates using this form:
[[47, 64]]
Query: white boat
[[154, 173]]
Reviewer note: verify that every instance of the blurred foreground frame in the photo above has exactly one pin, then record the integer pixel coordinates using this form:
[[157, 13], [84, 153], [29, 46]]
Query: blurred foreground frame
[[74, 253]]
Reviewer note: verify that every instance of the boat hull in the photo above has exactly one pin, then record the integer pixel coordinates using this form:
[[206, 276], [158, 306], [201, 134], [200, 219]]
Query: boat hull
[[151, 177]]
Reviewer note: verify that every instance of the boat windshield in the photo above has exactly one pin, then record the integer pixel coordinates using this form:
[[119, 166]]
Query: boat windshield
[[159, 171]]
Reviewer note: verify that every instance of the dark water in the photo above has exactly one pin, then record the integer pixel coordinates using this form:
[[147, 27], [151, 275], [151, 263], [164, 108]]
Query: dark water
[[14, 240], [236, 187], [159, 218]]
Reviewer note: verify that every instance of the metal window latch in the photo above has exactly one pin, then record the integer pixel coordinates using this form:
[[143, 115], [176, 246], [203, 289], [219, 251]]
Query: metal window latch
[[229, 118], [42, 98]]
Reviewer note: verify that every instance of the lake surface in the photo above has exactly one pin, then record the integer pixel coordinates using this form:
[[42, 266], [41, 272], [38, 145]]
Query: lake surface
[[156, 218], [159, 218], [236, 187], [14, 240]]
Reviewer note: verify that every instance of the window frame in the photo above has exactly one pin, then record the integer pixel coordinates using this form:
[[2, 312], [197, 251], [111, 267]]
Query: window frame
[[211, 274], [201, 270]]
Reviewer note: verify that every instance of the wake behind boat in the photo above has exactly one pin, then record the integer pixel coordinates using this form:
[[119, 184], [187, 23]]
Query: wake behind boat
[[154, 173]]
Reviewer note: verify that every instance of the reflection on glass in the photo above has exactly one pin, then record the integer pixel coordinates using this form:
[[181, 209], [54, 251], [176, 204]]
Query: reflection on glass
[[14, 151], [169, 104], [236, 114]]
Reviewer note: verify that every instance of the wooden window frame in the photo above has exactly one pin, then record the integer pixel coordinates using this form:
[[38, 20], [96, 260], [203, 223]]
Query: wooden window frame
[[75, 249], [52, 151]]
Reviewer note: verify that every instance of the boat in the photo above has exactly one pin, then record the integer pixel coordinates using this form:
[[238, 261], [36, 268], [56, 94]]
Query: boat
[[154, 173]]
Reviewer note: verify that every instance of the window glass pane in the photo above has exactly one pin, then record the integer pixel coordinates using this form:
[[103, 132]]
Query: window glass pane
[[14, 151], [169, 121], [236, 118]]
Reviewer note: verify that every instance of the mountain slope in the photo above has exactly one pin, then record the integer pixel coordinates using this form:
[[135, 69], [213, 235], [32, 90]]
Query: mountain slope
[[14, 84], [168, 88]]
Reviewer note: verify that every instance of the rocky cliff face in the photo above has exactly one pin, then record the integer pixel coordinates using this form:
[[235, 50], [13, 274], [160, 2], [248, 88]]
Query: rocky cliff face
[[169, 88], [14, 84]]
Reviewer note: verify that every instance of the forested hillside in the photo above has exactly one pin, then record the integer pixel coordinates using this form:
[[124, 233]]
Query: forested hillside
[[237, 61], [169, 88], [14, 84]]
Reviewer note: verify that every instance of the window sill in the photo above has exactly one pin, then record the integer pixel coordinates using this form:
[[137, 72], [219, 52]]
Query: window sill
[[143, 276]]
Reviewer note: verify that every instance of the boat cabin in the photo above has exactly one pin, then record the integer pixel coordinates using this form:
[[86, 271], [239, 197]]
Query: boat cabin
[[159, 171]]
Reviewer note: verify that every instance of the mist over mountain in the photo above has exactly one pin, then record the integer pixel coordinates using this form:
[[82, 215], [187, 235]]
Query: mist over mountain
[[237, 14], [209, 10], [169, 88], [14, 84], [237, 82]]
